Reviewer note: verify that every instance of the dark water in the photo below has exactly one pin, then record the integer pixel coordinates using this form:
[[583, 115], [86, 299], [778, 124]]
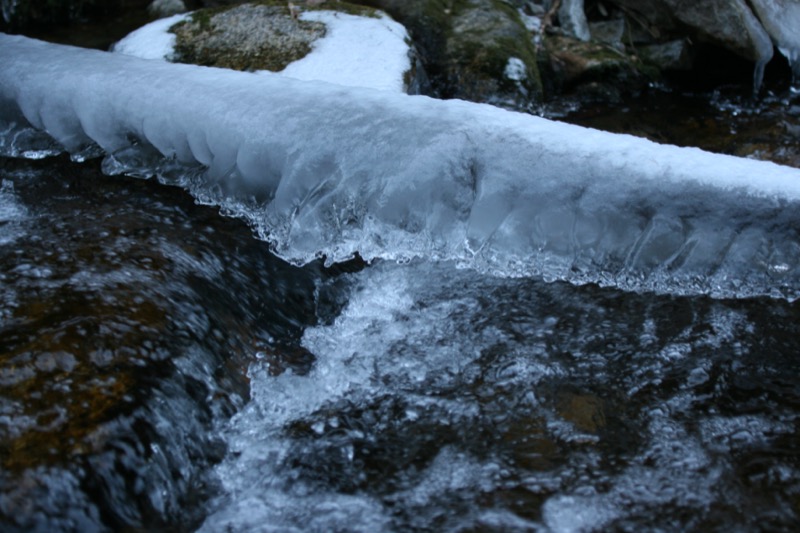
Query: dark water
[[727, 120], [127, 320], [161, 369]]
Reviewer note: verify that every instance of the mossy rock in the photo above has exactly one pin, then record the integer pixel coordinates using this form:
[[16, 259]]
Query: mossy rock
[[487, 41], [575, 63], [261, 36], [466, 46], [251, 36]]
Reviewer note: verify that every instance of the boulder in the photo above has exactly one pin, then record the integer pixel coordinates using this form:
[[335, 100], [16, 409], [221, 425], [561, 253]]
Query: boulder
[[672, 55], [165, 8], [574, 62], [729, 24], [244, 37], [477, 50]]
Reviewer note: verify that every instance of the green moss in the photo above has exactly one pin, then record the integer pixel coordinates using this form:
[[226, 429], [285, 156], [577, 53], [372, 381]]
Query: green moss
[[200, 40], [481, 38]]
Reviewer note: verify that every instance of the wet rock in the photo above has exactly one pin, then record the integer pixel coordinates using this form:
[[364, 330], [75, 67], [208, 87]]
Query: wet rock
[[166, 8], [575, 62], [127, 328]]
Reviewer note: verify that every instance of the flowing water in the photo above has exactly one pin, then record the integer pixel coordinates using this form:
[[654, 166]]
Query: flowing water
[[162, 370]]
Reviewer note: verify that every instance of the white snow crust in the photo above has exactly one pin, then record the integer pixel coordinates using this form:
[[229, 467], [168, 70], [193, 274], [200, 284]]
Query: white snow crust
[[151, 41], [355, 51], [326, 170]]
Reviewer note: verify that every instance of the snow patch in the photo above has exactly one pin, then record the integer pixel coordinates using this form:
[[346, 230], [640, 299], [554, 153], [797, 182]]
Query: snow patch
[[151, 41], [355, 51]]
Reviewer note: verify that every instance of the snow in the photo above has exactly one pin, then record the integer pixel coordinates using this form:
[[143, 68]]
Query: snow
[[325, 170], [355, 51], [515, 69], [151, 41]]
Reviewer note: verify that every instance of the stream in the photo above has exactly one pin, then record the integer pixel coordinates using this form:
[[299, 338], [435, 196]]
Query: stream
[[161, 369]]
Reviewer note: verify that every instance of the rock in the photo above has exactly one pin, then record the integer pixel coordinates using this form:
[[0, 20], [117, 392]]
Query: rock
[[484, 38], [728, 24], [609, 32], [467, 47], [576, 62], [672, 55], [245, 37], [573, 19], [165, 8]]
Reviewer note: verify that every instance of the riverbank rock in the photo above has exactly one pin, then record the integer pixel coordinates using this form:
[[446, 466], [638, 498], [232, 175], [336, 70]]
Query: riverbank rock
[[477, 50], [593, 69], [165, 8]]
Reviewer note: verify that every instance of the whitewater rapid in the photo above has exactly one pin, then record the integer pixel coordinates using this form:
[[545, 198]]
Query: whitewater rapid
[[320, 170]]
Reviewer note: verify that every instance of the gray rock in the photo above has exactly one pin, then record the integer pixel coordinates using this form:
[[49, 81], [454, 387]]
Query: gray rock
[[165, 8], [468, 47], [245, 37], [573, 19], [609, 32], [672, 55], [726, 23], [487, 40]]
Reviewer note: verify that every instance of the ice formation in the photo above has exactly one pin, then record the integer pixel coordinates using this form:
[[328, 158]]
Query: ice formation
[[326, 170], [781, 19]]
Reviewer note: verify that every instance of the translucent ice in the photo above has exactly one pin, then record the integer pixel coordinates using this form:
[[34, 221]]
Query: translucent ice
[[325, 170]]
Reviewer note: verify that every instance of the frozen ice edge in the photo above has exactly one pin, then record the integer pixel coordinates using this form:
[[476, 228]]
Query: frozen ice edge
[[325, 170]]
